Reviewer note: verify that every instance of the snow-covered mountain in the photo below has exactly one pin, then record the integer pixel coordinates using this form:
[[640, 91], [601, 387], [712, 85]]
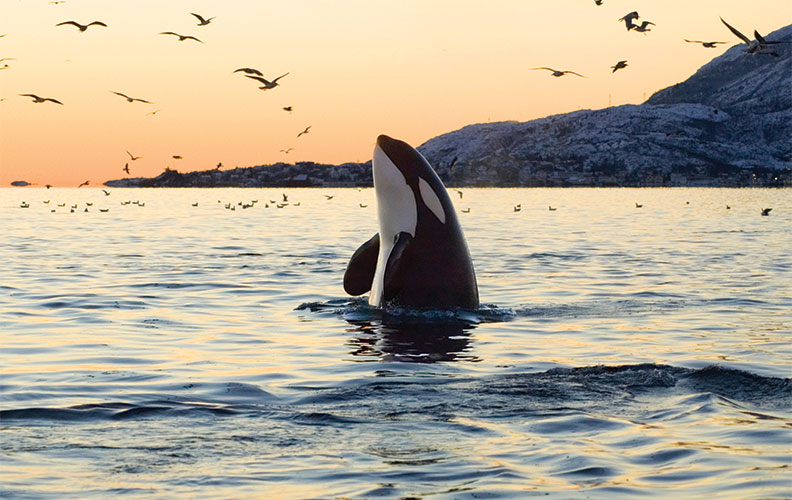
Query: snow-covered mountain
[[730, 120]]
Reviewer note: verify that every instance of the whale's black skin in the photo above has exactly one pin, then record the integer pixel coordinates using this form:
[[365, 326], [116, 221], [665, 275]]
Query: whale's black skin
[[429, 265]]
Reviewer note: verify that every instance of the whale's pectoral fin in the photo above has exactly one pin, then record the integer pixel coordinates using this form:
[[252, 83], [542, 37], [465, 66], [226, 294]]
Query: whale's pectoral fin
[[395, 269], [360, 270]]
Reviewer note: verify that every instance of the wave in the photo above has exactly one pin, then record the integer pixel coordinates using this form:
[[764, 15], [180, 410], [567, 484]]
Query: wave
[[575, 391]]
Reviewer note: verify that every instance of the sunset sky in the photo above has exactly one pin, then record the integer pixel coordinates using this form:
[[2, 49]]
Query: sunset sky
[[412, 69]]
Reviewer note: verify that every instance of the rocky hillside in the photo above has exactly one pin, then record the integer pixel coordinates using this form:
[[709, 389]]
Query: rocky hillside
[[730, 120]]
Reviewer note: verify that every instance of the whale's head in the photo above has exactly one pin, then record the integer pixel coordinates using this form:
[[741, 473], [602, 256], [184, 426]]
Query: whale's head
[[404, 183]]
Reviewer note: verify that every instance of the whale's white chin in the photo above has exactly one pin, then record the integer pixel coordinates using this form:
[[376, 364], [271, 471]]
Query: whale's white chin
[[396, 213]]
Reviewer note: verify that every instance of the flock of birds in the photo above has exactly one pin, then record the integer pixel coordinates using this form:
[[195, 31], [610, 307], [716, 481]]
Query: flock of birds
[[251, 73], [757, 46], [282, 203]]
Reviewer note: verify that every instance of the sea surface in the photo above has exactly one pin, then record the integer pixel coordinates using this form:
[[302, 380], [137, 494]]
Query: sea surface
[[163, 349]]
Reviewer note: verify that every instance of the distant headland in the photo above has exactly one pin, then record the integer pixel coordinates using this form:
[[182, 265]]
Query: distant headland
[[727, 125]]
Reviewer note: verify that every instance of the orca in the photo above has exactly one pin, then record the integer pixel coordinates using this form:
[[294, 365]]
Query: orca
[[419, 257]]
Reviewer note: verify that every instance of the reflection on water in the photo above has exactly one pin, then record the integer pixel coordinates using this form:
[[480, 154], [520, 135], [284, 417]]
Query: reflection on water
[[163, 349], [413, 342]]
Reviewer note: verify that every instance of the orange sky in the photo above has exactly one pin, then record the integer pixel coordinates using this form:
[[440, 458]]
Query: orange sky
[[412, 69]]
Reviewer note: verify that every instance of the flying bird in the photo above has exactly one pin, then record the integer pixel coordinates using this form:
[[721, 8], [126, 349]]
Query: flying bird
[[459, 193], [201, 20], [176, 157], [628, 19], [133, 158], [153, 112], [251, 71], [286, 150], [598, 2], [619, 65], [106, 192], [288, 108], [181, 37], [304, 131], [766, 211], [130, 99], [758, 46], [84, 184], [709, 45], [82, 27], [126, 168], [41, 99], [267, 84], [556, 72], [643, 28], [8, 59]]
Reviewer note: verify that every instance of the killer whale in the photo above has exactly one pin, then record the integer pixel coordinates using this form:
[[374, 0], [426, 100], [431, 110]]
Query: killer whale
[[419, 257]]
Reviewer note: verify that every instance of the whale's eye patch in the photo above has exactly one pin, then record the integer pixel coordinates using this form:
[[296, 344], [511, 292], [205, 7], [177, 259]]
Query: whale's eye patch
[[431, 200]]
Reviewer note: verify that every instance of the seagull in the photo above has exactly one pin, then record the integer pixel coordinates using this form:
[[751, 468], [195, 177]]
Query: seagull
[[286, 151], [304, 131], [219, 166], [106, 192], [130, 99], [82, 27], [628, 19], [153, 112], [126, 168], [288, 108], [181, 37], [598, 2], [517, 208], [133, 158], [41, 99], [556, 72], [758, 46], [56, 2], [47, 186], [363, 206], [84, 184], [551, 208], [8, 59], [201, 20], [267, 84], [177, 157], [643, 27], [619, 65], [459, 193], [766, 211], [467, 210], [251, 71], [329, 196], [709, 45], [285, 197], [637, 205]]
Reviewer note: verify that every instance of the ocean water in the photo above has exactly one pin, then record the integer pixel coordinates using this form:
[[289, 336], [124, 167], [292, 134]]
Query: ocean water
[[165, 350]]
